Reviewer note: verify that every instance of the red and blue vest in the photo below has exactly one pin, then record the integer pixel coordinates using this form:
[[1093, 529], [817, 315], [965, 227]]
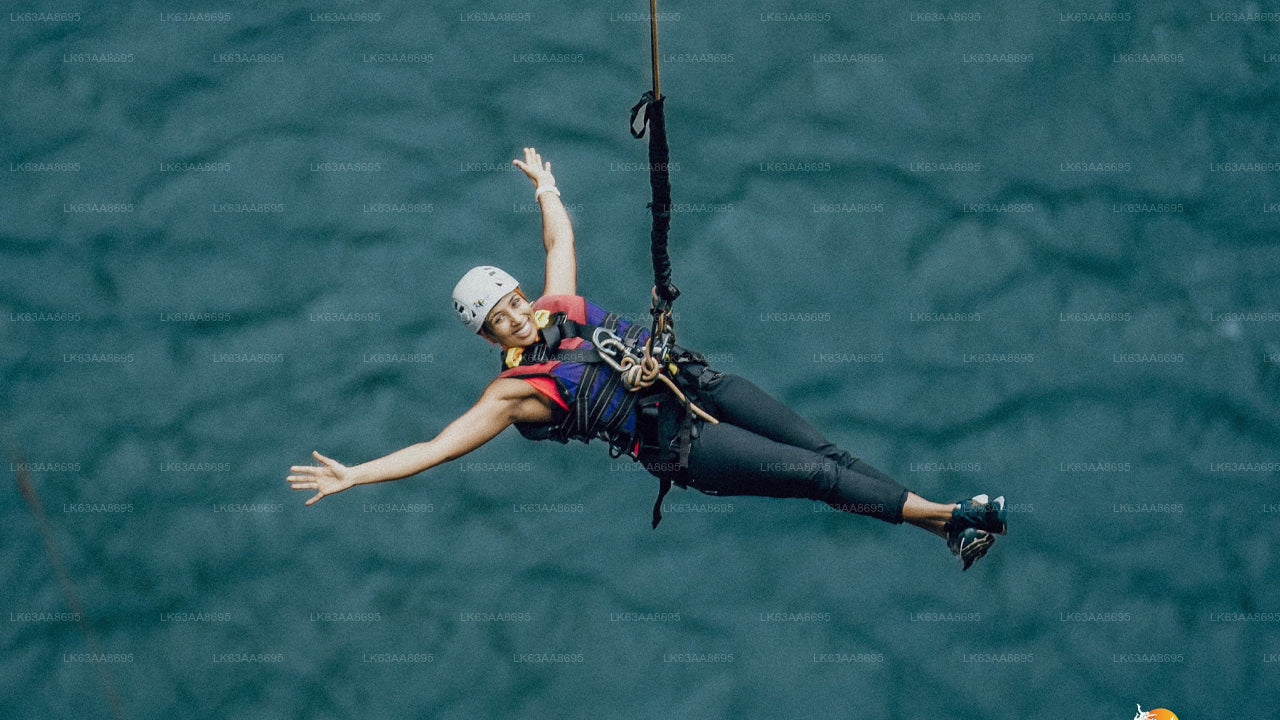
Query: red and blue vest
[[593, 402]]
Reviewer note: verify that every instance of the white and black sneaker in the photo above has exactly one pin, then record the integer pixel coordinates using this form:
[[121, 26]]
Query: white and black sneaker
[[978, 512], [973, 528]]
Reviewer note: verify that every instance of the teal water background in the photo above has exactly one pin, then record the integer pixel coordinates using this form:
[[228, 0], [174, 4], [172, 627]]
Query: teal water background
[[1012, 250]]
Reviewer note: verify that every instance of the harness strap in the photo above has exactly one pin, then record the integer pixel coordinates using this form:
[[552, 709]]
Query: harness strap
[[686, 432], [561, 328], [684, 438], [538, 354], [663, 489]]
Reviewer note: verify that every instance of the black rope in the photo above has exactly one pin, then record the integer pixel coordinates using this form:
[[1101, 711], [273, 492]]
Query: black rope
[[654, 121], [649, 112]]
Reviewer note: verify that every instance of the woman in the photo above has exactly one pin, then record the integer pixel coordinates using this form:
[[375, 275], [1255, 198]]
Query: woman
[[556, 384]]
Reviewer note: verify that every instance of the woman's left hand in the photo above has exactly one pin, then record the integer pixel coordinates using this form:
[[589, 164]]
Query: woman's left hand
[[327, 479], [533, 166]]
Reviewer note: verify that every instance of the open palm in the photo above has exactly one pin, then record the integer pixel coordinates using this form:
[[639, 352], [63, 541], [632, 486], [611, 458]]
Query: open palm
[[537, 170], [326, 479]]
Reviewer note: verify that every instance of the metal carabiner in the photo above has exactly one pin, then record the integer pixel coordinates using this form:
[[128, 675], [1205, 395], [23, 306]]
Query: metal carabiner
[[607, 343]]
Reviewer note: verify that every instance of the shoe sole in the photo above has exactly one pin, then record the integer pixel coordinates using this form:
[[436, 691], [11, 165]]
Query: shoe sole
[[974, 550]]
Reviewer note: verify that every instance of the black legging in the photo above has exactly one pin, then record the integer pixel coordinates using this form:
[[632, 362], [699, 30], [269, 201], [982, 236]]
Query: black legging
[[762, 447]]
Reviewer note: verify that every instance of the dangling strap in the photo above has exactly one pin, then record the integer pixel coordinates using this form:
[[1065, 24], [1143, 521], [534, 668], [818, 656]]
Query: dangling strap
[[683, 438], [663, 489], [641, 113]]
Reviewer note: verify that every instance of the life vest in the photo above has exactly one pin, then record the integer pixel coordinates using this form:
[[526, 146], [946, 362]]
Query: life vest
[[563, 364]]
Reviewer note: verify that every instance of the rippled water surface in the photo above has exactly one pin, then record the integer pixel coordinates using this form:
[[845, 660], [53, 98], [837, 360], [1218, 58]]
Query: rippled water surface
[[1009, 248]]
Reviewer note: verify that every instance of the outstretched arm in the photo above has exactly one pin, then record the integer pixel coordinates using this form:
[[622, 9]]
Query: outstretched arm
[[557, 231], [504, 401]]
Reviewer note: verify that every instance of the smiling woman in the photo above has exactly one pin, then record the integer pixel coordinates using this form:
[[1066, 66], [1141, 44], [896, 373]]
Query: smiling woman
[[560, 380], [511, 322]]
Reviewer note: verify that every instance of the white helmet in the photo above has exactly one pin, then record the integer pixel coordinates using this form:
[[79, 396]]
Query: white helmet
[[478, 291]]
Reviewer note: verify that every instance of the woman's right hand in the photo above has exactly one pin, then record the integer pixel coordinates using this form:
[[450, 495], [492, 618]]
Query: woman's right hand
[[538, 171], [327, 479]]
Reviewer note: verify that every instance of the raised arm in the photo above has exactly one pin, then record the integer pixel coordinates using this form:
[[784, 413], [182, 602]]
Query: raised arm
[[504, 401], [557, 231]]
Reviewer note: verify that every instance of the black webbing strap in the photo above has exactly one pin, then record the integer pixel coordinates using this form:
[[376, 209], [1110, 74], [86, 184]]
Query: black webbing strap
[[539, 353], [663, 489], [593, 417], [686, 436], [563, 328], [683, 438]]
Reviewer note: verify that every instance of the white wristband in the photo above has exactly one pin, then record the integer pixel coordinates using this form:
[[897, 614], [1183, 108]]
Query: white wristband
[[548, 189]]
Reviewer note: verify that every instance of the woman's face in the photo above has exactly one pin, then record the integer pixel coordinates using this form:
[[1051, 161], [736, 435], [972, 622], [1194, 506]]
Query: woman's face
[[510, 322]]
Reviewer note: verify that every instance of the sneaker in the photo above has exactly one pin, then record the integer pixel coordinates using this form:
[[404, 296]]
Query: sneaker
[[978, 512], [969, 544], [973, 526]]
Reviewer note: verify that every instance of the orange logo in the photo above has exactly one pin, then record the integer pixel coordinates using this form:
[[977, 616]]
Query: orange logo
[[1157, 714]]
